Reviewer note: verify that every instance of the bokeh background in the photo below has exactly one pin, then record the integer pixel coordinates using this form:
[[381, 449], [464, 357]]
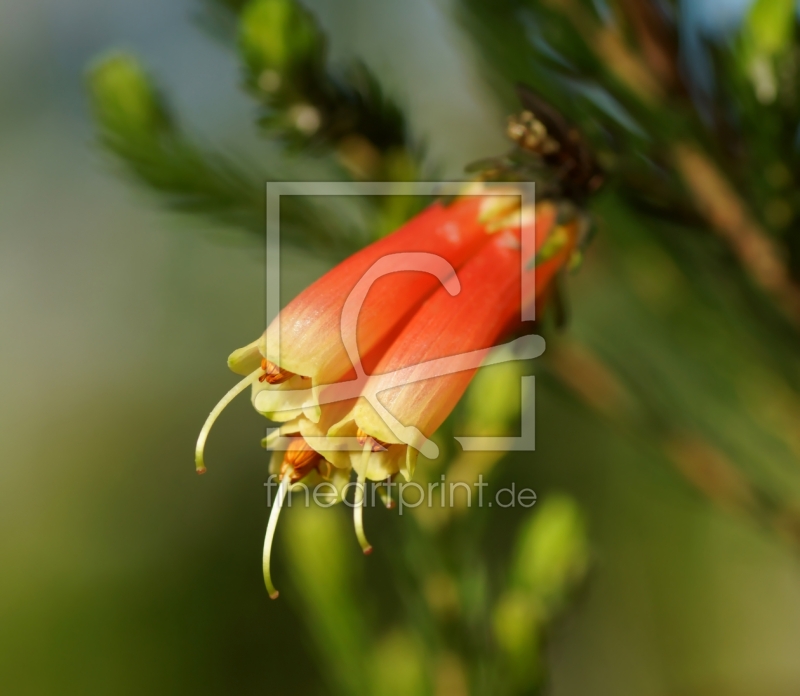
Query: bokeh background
[[122, 572]]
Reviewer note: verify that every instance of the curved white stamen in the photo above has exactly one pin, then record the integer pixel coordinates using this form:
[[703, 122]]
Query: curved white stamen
[[358, 509], [272, 525], [219, 408]]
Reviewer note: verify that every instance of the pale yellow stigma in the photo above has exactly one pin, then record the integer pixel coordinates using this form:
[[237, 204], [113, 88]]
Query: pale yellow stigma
[[269, 539], [358, 509]]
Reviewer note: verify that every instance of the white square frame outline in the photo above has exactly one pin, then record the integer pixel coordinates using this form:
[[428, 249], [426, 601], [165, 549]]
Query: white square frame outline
[[527, 194]]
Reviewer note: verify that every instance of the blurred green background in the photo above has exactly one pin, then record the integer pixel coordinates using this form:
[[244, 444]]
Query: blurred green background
[[122, 572]]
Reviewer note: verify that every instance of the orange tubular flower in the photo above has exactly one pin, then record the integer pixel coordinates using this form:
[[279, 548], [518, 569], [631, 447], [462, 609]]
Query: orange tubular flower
[[304, 350]]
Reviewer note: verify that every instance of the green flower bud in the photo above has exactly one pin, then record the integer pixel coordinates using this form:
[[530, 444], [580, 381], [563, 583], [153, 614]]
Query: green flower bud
[[516, 622], [397, 666], [769, 25], [552, 551], [276, 37], [766, 35], [122, 95], [551, 556]]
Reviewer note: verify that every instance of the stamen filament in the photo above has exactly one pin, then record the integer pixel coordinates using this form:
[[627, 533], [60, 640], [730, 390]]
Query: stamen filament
[[199, 463], [358, 509], [272, 525], [386, 495]]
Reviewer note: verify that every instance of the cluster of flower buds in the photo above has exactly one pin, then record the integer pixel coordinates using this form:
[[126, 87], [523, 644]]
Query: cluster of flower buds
[[363, 366]]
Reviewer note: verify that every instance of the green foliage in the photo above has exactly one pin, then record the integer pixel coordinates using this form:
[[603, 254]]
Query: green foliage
[[309, 106], [550, 559], [346, 121], [322, 567], [136, 125], [682, 342]]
